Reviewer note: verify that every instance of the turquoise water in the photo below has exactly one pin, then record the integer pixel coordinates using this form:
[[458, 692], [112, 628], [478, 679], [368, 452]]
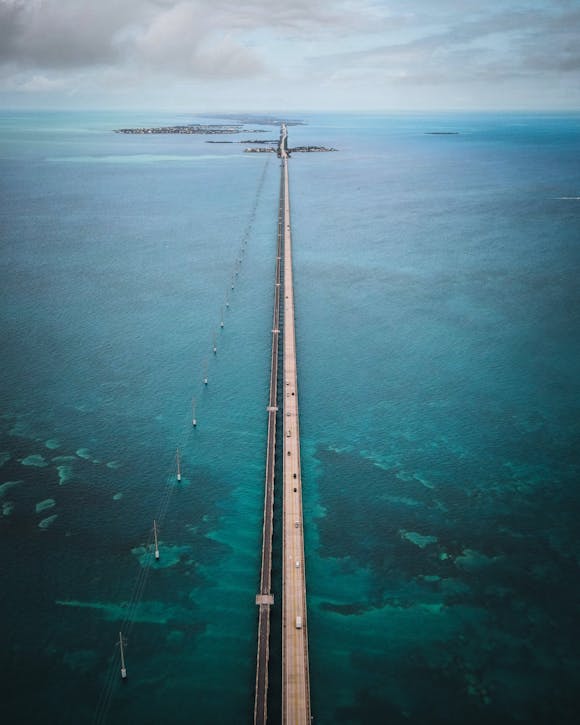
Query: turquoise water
[[437, 332]]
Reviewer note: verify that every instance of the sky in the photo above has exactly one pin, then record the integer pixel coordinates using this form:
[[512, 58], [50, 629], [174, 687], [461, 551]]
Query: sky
[[258, 55]]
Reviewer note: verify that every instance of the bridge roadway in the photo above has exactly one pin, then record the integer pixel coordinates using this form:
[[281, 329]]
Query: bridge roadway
[[264, 599], [295, 669]]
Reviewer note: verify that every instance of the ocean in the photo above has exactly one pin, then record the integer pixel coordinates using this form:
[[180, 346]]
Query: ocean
[[436, 284]]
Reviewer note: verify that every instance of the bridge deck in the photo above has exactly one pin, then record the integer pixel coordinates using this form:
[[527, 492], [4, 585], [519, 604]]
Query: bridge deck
[[265, 599], [295, 670]]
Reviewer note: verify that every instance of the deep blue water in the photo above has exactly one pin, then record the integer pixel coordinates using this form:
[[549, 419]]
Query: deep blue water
[[438, 340]]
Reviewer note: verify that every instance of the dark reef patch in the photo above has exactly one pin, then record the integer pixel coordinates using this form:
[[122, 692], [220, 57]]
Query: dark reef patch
[[487, 551]]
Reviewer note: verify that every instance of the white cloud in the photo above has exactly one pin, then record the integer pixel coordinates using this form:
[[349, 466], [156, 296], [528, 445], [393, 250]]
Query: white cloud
[[43, 84], [186, 39], [287, 48]]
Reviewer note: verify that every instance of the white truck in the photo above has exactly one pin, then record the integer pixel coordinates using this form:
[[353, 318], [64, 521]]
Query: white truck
[[298, 622]]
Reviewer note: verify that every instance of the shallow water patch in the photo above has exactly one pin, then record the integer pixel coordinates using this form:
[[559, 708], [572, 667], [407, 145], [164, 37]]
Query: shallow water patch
[[47, 522], [151, 612], [420, 540], [41, 506], [169, 555], [34, 460], [5, 487], [65, 473]]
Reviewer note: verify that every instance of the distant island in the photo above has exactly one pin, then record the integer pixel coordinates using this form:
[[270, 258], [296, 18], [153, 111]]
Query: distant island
[[260, 120], [238, 127], [269, 140], [442, 133], [296, 150], [193, 128], [308, 149]]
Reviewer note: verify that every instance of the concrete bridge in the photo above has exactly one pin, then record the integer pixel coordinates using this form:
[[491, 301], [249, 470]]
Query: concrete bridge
[[295, 669]]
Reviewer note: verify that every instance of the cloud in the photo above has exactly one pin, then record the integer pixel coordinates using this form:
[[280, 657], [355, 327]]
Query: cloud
[[42, 84], [184, 35], [339, 46], [62, 33], [491, 46], [553, 44], [186, 39]]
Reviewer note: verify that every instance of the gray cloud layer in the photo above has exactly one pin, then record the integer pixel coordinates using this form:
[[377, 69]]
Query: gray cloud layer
[[505, 44], [199, 36], [62, 33], [335, 44]]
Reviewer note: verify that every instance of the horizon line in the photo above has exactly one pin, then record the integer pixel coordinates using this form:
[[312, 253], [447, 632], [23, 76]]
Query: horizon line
[[342, 111]]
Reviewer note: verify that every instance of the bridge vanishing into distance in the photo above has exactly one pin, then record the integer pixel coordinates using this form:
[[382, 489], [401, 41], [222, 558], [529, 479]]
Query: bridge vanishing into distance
[[295, 668]]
